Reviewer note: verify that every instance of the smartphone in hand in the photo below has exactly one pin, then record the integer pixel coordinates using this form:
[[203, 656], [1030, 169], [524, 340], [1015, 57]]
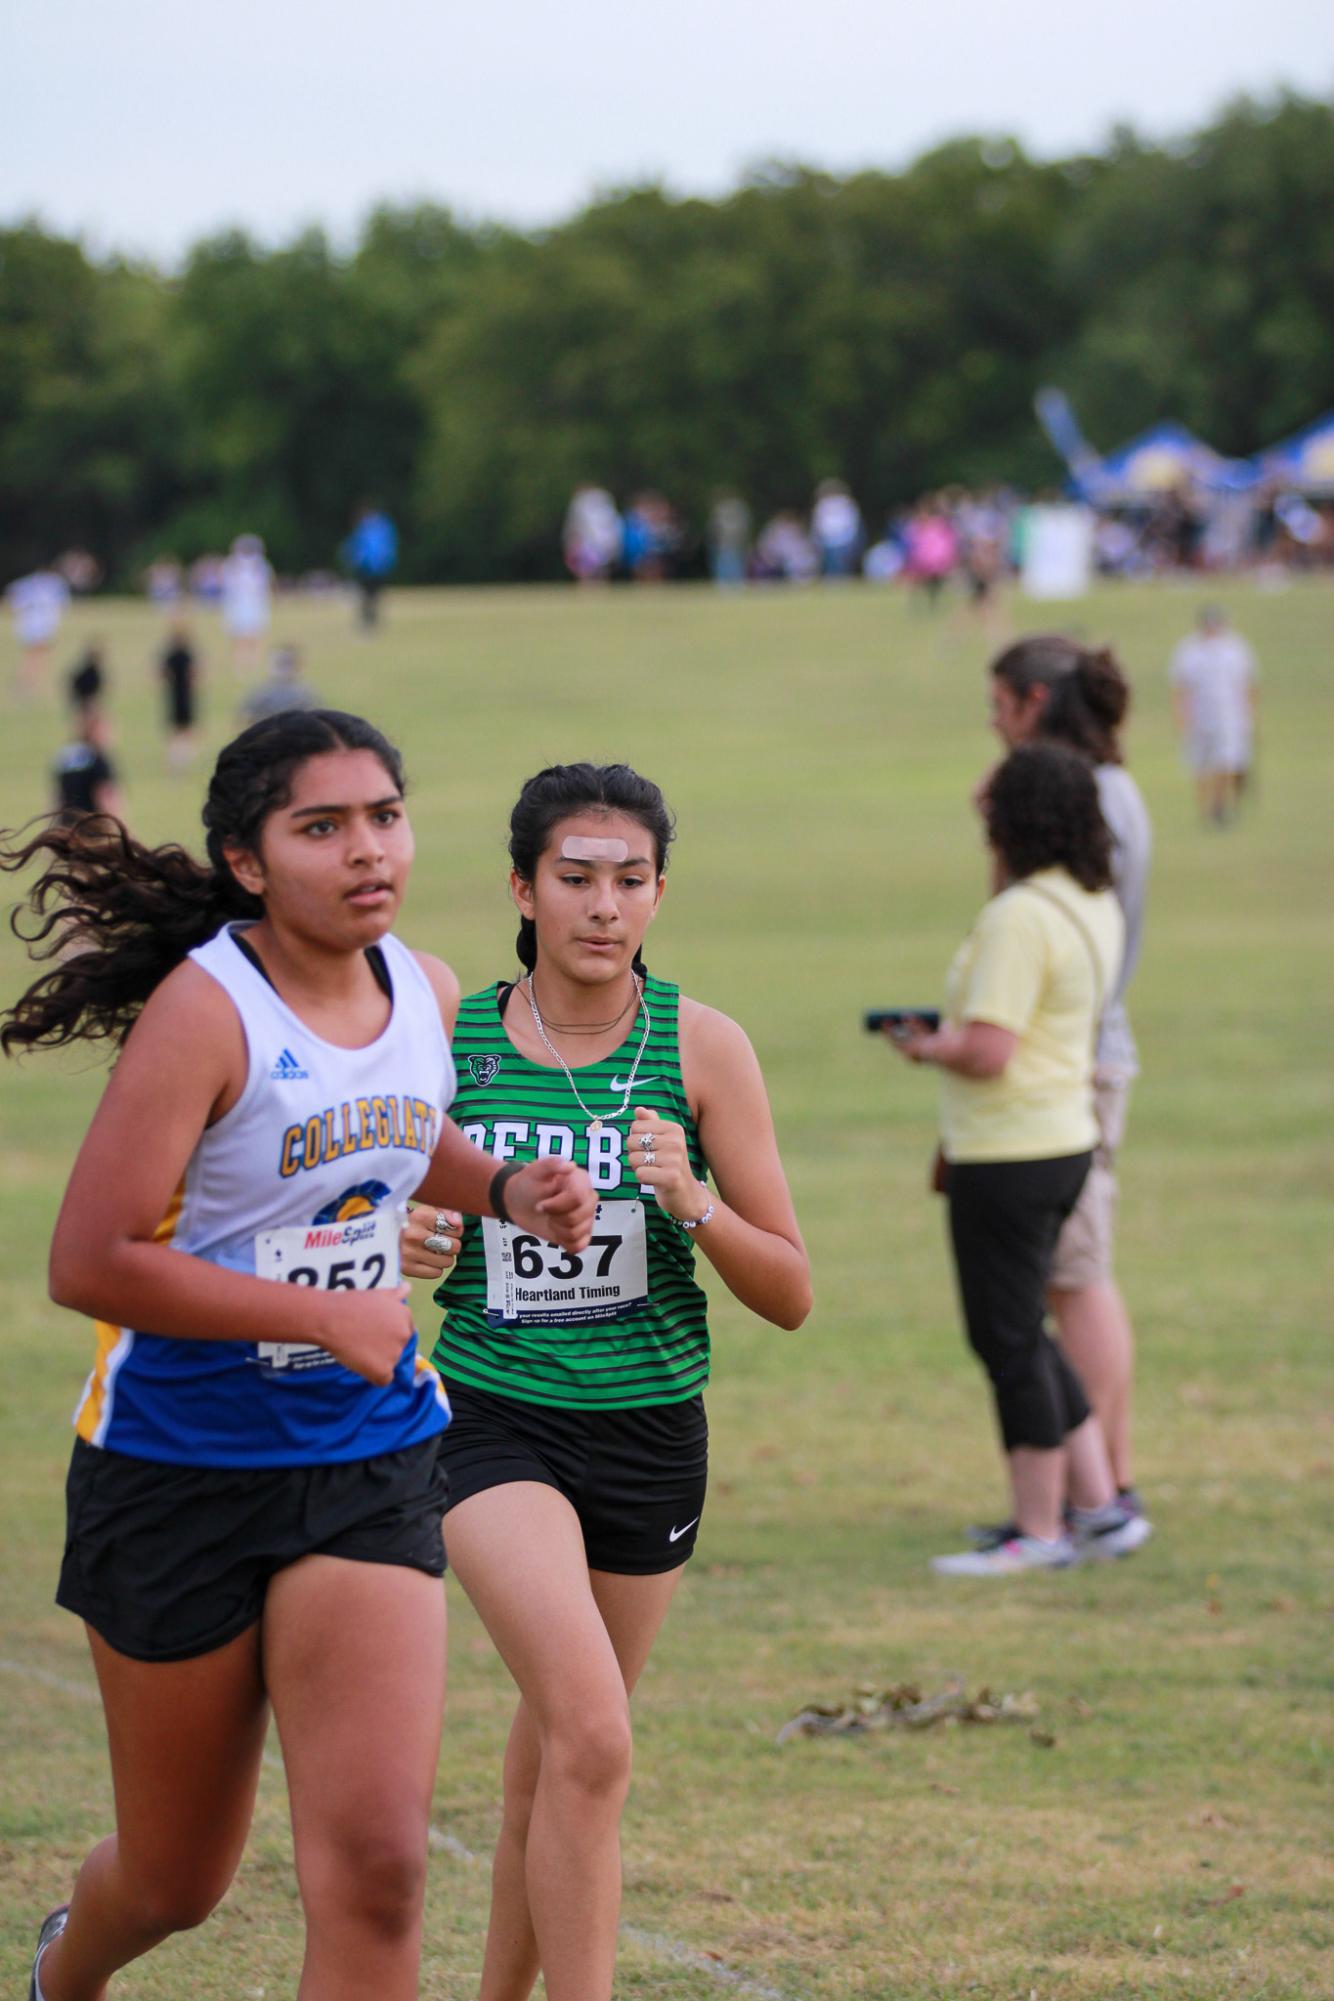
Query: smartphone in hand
[[901, 1022]]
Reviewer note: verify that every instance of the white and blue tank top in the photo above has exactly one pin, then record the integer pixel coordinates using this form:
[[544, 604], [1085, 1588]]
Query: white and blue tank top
[[301, 1182]]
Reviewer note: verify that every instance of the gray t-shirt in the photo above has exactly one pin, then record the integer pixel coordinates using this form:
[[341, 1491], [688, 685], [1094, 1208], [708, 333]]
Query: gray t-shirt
[[1126, 814]]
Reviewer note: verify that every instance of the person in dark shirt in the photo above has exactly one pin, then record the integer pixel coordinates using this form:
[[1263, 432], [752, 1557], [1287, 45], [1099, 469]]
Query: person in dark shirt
[[179, 668], [83, 775], [87, 679]]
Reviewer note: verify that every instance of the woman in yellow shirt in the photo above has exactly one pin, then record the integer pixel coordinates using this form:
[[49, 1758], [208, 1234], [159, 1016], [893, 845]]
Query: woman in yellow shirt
[[1023, 1001]]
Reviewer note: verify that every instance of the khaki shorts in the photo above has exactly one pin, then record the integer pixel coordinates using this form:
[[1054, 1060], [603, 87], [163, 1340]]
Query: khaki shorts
[[1084, 1247]]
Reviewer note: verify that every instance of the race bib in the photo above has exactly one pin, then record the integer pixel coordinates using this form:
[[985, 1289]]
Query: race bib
[[530, 1283], [358, 1255]]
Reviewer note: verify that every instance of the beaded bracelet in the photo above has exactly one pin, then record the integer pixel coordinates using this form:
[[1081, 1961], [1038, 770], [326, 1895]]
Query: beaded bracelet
[[699, 1221]]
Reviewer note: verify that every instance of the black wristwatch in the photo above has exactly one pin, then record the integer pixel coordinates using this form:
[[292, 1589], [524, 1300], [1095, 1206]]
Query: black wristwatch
[[496, 1192]]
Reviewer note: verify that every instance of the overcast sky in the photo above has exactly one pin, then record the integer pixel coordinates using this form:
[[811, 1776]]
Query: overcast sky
[[149, 123]]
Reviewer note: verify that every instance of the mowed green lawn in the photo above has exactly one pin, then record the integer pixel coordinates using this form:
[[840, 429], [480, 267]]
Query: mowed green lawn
[[819, 749]]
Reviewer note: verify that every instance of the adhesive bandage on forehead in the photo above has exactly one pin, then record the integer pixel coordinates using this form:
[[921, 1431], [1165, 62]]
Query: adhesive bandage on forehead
[[580, 848]]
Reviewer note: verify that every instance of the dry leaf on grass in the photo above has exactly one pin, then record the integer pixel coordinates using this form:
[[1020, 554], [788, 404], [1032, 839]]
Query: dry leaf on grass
[[904, 1707]]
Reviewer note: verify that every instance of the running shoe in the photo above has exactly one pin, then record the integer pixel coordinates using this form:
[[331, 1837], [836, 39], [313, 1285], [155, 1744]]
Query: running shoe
[[52, 1926], [1008, 1558], [1101, 1534], [990, 1535]]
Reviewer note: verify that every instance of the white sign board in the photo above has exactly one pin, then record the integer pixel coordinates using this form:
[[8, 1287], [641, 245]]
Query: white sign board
[[1058, 552]]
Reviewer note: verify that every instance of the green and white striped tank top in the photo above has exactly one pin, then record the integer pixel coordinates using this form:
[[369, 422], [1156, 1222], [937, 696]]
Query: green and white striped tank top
[[623, 1323]]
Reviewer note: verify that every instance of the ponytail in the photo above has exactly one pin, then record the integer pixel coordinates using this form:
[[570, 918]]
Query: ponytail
[[116, 917], [1088, 693]]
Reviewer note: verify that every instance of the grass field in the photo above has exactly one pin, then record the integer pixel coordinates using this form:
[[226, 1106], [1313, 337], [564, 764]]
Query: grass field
[[1172, 1839]]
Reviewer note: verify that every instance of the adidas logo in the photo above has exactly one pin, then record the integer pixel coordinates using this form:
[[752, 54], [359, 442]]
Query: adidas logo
[[287, 1070]]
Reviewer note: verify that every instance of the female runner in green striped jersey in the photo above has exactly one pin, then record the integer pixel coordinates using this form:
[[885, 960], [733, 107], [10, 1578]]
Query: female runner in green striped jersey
[[579, 1442]]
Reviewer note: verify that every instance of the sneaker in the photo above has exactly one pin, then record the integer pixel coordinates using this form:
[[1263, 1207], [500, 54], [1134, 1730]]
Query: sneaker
[[990, 1535], [52, 1926], [1130, 1500], [1100, 1534], [1007, 1559]]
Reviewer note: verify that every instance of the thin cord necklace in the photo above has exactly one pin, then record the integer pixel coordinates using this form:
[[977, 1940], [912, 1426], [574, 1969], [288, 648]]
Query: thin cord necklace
[[595, 1122], [593, 1027]]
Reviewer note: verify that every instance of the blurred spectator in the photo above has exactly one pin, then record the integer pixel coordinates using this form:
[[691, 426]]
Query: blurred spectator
[[163, 580], [1300, 523], [83, 776], [81, 571], [836, 529], [933, 549], [36, 605], [983, 530], [592, 535], [247, 582], [784, 551], [1214, 705], [371, 553], [729, 539], [652, 538], [86, 683], [207, 574], [885, 559], [1116, 547], [178, 667], [284, 688]]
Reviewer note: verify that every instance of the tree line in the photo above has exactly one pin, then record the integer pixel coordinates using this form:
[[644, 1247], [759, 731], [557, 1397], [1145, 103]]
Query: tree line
[[887, 328]]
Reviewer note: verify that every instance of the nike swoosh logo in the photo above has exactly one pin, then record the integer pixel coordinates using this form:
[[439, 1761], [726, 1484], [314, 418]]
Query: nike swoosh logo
[[623, 1083], [677, 1534]]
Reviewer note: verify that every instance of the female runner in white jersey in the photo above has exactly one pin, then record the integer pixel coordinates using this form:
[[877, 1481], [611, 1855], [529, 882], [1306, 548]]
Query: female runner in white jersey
[[255, 1497], [578, 1455]]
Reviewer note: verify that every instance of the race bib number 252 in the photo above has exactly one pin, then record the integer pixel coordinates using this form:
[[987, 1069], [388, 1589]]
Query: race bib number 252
[[531, 1283], [357, 1255]]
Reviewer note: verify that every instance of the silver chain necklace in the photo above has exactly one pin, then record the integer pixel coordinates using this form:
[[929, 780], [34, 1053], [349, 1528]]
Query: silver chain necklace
[[595, 1122]]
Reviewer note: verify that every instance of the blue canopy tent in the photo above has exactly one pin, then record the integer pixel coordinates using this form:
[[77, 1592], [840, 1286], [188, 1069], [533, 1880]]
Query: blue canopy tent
[[1162, 460], [1304, 462]]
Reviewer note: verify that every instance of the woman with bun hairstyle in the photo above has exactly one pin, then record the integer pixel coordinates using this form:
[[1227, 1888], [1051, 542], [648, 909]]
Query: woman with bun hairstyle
[[578, 1453], [256, 1491], [1050, 688]]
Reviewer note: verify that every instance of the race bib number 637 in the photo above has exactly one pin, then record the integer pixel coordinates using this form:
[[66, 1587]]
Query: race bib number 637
[[532, 1283]]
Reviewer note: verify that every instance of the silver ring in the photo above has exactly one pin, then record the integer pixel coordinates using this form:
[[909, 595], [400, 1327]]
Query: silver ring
[[435, 1242], [648, 1145], [441, 1224]]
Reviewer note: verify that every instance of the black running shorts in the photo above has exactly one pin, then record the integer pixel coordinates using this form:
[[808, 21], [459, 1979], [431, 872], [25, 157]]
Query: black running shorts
[[635, 1478], [166, 1562]]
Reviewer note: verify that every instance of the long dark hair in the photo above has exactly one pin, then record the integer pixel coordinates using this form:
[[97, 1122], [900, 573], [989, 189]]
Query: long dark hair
[[1042, 811], [1089, 694], [117, 916], [552, 795]]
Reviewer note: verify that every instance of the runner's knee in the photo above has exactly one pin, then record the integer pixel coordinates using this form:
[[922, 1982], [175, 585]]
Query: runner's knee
[[161, 1906], [371, 1876], [589, 1750]]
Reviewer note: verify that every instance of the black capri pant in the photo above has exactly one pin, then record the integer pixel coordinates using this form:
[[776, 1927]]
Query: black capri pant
[[1005, 1217]]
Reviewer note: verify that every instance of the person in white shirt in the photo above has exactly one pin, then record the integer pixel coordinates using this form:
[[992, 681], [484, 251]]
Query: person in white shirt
[[592, 535], [37, 605], [1214, 706], [247, 582], [836, 529]]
